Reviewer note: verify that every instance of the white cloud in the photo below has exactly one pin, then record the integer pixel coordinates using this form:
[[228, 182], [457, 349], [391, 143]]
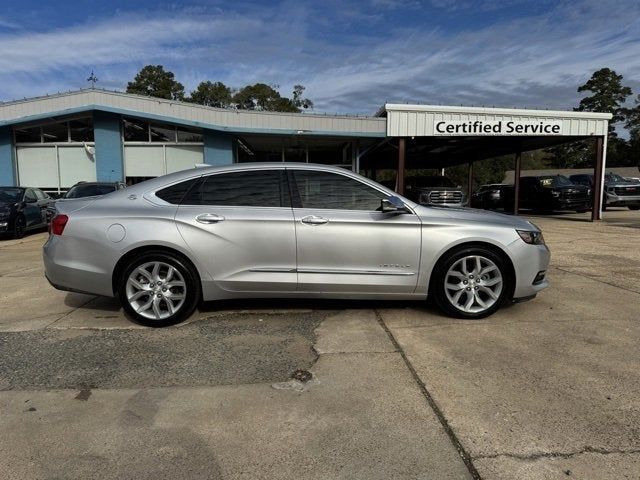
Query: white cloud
[[535, 62]]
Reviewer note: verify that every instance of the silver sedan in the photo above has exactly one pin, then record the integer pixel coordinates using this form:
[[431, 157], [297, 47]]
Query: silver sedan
[[286, 230]]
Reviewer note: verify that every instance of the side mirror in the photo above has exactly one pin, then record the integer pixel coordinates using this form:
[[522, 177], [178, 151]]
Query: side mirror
[[393, 205]]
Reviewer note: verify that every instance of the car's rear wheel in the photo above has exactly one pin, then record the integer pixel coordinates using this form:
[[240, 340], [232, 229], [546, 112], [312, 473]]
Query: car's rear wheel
[[471, 283], [158, 289], [19, 227]]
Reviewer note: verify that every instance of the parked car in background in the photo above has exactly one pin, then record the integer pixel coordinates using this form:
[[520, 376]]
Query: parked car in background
[[434, 190], [86, 189], [22, 209], [286, 230], [553, 192], [495, 196], [618, 191]]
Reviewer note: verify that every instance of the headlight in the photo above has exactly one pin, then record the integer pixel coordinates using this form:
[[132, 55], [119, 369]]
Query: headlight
[[531, 237]]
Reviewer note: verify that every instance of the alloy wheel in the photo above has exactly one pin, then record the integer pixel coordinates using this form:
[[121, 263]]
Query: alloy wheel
[[473, 284], [156, 290]]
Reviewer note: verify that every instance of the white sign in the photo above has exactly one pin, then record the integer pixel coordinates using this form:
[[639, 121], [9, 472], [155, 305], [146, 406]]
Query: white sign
[[498, 127]]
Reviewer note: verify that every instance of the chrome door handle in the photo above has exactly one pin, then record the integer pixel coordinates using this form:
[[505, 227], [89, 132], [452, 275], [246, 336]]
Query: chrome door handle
[[313, 220], [209, 218]]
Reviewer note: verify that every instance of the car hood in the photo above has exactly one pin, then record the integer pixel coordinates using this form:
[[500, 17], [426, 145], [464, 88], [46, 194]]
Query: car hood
[[474, 215]]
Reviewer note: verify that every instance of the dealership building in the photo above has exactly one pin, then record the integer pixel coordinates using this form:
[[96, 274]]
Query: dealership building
[[55, 141]]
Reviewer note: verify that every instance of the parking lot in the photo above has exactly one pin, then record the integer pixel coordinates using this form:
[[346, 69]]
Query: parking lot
[[545, 389]]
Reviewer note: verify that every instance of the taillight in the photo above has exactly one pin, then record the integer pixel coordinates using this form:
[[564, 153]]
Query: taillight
[[58, 223]]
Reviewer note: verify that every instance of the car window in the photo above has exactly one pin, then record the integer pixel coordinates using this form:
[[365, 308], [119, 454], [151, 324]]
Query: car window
[[175, 193], [39, 194], [30, 196], [333, 191], [10, 194], [89, 190], [254, 188]]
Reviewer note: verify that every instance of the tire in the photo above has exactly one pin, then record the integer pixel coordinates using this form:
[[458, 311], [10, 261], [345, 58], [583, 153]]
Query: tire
[[145, 297], [19, 227], [634, 207], [582, 210], [496, 278]]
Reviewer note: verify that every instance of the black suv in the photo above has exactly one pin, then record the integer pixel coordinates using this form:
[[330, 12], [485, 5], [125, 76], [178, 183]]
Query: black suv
[[553, 192], [22, 209], [618, 192]]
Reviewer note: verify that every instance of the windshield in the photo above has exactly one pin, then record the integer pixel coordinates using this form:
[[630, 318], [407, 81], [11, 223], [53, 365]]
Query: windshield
[[555, 181], [614, 177], [10, 195], [80, 191]]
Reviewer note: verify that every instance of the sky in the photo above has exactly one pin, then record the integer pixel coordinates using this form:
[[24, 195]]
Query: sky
[[352, 55]]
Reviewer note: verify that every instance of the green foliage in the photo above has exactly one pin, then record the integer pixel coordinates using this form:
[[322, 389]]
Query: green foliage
[[608, 95], [261, 96], [212, 94], [155, 81], [632, 120]]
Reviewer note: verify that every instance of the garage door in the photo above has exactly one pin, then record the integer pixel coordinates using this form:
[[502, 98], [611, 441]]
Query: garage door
[[54, 167]]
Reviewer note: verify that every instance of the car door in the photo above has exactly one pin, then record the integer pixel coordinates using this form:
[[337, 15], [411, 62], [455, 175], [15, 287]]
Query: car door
[[345, 244], [43, 203], [31, 209], [240, 226]]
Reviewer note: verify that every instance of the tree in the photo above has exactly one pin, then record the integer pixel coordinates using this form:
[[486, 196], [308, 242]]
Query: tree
[[212, 94], [261, 96], [298, 101], [632, 120], [608, 96], [155, 81]]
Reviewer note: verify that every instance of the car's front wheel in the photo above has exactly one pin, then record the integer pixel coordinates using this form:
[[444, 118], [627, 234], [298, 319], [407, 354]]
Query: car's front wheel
[[471, 282], [158, 289]]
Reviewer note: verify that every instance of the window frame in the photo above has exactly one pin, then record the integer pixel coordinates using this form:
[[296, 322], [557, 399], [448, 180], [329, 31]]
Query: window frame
[[296, 201]]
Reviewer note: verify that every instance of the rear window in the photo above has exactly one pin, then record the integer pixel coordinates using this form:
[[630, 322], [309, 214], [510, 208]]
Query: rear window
[[80, 191], [175, 193]]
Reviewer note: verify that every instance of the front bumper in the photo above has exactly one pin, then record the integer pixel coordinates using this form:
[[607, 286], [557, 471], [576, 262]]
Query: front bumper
[[528, 262], [613, 200]]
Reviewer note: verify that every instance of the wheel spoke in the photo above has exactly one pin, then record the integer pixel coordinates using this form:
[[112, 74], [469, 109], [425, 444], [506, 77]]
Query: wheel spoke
[[455, 287], [456, 297], [144, 307], [479, 300], [454, 273], [478, 267], [170, 306], [138, 285], [174, 284], [470, 299], [144, 273], [488, 269], [489, 292], [492, 282], [136, 296], [169, 275], [155, 270], [156, 307]]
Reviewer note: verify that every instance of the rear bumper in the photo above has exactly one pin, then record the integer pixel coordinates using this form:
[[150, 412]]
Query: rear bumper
[[65, 272]]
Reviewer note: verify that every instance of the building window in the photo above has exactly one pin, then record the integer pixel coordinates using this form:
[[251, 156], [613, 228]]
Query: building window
[[140, 131], [76, 130], [55, 132], [81, 130], [135, 131], [28, 135]]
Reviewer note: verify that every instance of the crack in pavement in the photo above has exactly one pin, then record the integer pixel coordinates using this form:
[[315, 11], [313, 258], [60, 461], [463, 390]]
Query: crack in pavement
[[538, 455], [466, 457], [595, 279]]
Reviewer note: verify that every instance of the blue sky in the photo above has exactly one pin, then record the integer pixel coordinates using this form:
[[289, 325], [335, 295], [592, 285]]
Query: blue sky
[[352, 55]]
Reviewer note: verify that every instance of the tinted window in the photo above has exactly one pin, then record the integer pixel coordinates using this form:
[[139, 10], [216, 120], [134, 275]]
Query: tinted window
[[80, 191], [30, 196], [175, 193], [135, 131], [40, 194], [333, 191], [81, 130], [56, 132], [261, 188], [28, 135], [10, 195]]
